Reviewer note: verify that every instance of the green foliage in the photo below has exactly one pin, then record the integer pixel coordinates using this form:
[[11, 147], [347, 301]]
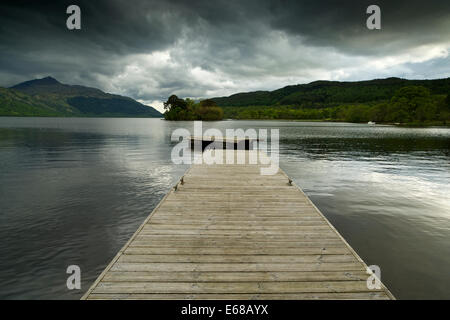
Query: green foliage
[[15, 103], [175, 103], [179, 109], [413, 104], [389, 100], [320, 94], [208, 110]]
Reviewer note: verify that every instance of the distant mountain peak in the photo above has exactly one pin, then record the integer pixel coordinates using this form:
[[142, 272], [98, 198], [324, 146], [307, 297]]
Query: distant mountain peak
[[47, 81], [51, 97]]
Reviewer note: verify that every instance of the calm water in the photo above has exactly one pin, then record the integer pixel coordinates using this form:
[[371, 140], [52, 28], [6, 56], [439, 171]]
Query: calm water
[[72, 191]]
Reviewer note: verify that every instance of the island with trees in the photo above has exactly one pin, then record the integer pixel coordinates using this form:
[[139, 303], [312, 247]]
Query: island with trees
[[187, 109]]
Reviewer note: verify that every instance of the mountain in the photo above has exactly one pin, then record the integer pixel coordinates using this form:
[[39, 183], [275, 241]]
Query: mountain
[[391, 100], [16, 103], [49, 97], [320, 94]]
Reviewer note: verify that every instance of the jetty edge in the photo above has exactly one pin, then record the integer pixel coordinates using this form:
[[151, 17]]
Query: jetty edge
[[225, 231]]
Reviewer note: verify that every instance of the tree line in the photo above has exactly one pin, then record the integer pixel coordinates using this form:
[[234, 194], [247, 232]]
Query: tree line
[[187, 109], [410, 104]]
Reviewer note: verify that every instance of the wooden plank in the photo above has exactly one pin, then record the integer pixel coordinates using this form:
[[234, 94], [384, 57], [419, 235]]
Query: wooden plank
[[235, 287], [286, 259], [237, 267], [263, 223], [193, 227], [228, 232], [235, 250], [233, 276], [239, 232], [228, 239], [243, 296], [237, 244]]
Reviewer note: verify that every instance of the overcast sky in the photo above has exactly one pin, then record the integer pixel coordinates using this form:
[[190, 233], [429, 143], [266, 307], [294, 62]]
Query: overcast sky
[[150, 49]]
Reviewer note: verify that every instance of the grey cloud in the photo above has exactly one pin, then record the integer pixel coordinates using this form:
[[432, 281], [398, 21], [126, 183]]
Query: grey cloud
[[215, 47], [341, 24]]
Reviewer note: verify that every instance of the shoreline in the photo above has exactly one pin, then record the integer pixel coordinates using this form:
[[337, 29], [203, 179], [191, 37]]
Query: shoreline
[[406, 124]]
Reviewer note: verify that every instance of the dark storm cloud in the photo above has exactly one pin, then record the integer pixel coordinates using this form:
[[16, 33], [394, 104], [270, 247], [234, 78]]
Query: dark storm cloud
[[149, 49], [341, 24], [35, 31]]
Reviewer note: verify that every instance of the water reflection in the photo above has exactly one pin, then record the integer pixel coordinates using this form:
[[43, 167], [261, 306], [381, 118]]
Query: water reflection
[[73, 195], [72, 191]]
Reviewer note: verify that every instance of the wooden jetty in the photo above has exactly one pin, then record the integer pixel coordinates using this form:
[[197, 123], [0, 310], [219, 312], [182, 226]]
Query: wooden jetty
[[227, 232]]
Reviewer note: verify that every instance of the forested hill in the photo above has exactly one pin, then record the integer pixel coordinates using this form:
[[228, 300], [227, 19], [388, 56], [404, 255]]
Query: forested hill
[[391, 100], [331, 93], [49, 97]]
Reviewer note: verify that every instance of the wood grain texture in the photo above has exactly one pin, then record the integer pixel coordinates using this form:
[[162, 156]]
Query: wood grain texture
[[229, 232]]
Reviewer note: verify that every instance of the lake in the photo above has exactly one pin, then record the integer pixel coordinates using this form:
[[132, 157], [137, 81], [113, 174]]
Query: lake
[[74, 190]]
